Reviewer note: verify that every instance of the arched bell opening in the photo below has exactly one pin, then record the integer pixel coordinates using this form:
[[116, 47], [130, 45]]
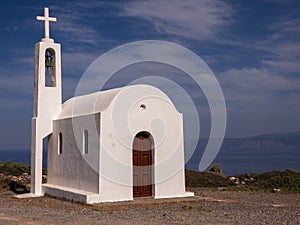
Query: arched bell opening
[[50, 71]]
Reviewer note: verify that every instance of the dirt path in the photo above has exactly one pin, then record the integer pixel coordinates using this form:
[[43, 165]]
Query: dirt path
[[208, 207]]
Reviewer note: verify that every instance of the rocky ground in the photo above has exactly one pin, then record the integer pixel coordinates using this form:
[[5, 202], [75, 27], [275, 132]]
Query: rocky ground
[[210, 206]]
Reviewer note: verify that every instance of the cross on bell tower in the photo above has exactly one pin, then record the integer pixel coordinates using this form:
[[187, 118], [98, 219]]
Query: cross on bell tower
[[46, 20]]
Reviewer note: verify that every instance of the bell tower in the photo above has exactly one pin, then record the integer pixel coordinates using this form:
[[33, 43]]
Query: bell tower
[[47, 98]]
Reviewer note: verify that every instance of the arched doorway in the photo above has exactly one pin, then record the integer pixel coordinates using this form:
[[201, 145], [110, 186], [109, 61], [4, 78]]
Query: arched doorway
[[143, 159]]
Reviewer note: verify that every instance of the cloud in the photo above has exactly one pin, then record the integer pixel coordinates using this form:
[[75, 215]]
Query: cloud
[[71, 25], [79, 22], [259, 101], [277, 53], [283, 40], [191, 19], [287, 25], [254, 84], [262, 90], [252, 88], [283, 66]]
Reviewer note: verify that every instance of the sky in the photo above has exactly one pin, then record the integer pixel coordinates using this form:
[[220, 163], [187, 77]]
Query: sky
[[252, 47]]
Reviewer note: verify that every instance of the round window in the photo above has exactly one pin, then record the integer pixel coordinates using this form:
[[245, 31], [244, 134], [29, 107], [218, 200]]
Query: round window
[[142, 107]]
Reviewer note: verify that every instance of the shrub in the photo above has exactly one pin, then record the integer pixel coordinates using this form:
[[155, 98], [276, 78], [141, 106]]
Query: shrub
[[14, 169], [287, 181], [216, 168], [4, 183], [205, 179]]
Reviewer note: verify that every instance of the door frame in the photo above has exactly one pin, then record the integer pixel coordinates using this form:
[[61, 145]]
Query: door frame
[[149, 137]]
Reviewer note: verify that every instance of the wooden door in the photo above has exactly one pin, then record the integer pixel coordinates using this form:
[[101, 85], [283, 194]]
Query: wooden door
[[142, 155]]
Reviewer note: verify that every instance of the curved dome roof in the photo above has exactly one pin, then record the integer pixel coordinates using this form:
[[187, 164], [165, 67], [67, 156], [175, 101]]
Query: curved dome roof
[[100, 101]]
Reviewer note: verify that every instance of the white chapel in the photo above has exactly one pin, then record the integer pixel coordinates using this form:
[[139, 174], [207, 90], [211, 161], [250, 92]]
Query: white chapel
[[90, 159]]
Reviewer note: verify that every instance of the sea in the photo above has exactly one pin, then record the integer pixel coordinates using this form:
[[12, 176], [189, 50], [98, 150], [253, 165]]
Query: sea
[[233, 161], [20, 156], [236, 161]]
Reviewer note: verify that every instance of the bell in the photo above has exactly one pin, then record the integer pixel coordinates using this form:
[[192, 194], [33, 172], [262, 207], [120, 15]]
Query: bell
[[48, 60], [48, 63]]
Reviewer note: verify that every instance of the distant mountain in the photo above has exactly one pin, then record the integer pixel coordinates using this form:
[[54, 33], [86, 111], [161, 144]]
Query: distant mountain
[[257, 154], [265, 141]]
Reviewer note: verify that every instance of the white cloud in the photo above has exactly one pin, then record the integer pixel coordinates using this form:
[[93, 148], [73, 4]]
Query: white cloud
[[254, 84], [284, 66], [77, 22], [70, 24], [287, 25], [192, 19], [260, 101], [283, 41]]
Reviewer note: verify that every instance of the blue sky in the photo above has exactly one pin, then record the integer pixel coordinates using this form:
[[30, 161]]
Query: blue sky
[[252, 47]]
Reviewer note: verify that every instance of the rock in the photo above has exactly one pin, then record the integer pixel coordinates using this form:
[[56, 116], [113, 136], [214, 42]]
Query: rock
[[275, 190], [232, 179], [235, 180], [44, 179], [13, 178], [222, 188]]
